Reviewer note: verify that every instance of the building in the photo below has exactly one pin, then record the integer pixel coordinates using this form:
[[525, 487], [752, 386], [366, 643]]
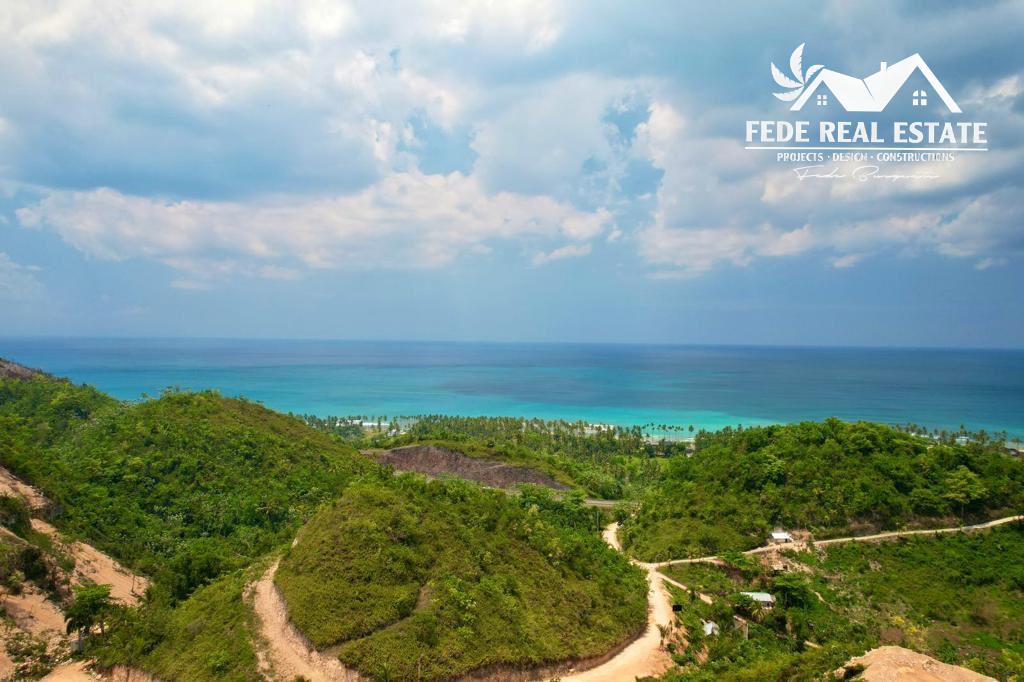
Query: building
[[763, 598], [780, 536], [710, 627]]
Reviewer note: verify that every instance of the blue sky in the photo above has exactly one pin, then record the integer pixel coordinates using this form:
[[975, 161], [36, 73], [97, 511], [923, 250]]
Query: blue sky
[[534, 170]]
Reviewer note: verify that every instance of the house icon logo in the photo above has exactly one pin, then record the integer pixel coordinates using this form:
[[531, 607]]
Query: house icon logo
[[870, 94]]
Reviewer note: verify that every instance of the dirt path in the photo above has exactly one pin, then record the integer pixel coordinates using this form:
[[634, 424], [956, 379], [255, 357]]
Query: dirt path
[[853, 538], [289, 655], [644, 656]]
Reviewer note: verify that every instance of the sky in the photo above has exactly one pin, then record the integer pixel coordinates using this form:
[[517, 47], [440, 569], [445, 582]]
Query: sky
[[506, 171]]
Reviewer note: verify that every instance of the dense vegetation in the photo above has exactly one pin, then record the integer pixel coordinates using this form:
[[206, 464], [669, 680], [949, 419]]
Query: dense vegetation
[[610, 462], [405, 578], [184, 487], [958, 598], [187, 488], [428, 580], [209, 637], [829, 477]]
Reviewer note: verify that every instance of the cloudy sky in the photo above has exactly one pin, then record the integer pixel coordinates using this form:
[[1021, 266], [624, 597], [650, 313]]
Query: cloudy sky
[[530, 170]]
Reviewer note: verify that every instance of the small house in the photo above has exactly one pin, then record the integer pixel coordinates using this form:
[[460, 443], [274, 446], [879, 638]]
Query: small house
[[763, 598], [710, 627], [780, 536]]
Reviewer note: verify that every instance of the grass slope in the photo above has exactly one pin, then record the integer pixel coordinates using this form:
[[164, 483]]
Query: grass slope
[[411, 579], [830, 477]]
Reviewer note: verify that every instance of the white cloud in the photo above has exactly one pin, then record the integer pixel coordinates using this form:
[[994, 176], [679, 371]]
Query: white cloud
[[847, 261], [286, 135], [408, 220], [690, 252], [531, 144], [561, 253], [719, 204]]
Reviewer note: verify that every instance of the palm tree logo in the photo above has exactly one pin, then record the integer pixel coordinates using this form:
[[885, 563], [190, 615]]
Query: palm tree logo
[[799, 81]]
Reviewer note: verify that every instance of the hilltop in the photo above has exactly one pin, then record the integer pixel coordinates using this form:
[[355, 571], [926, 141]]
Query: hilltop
[[413, 579]]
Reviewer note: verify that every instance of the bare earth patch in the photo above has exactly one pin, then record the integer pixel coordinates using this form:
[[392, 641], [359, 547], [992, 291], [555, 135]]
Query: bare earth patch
[[436, 461], [92, 565], [896, 664], [15, 487]]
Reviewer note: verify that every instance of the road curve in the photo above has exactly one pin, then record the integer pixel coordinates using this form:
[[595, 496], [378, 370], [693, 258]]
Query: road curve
[[852, 538], [644, 656]]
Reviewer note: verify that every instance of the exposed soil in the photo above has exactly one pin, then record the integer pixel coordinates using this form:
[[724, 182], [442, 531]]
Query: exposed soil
[[15, 487], [79, 671], [92, 565], [896, 664], [437, 461], [33, 613], [288, 654], [776, 549], [71, 672]]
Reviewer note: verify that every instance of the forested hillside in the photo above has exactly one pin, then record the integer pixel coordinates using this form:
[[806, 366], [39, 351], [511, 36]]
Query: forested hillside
[[828, 477], [183, 487], [200, 492]]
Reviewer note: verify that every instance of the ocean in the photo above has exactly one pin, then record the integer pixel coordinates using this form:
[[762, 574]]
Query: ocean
[[705, 386]]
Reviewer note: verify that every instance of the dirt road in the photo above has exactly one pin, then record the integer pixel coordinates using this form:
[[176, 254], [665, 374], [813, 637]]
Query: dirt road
[[852, 538], [289, 655], [645, 655]]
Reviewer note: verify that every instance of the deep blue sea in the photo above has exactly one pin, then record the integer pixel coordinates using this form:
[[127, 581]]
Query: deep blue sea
[[707, 386]]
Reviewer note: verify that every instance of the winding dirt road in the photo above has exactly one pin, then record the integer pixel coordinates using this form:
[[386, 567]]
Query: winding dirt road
[[644, 656], [288, 654]]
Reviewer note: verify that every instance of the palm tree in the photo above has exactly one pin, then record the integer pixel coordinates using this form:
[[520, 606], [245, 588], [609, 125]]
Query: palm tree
[[90, 607]]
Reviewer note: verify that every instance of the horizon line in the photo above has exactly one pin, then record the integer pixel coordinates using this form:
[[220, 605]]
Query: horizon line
[[671, 344]]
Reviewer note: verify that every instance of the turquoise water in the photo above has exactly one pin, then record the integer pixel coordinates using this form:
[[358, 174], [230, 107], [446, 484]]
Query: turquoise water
[[709, 387]]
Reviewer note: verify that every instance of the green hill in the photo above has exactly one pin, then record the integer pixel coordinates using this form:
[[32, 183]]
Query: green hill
[[184, 487], [409, 579], [830, 477]]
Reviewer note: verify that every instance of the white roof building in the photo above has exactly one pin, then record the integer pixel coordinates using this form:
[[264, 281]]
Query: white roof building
[[760, 597], [781, 536], [710, 627]]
